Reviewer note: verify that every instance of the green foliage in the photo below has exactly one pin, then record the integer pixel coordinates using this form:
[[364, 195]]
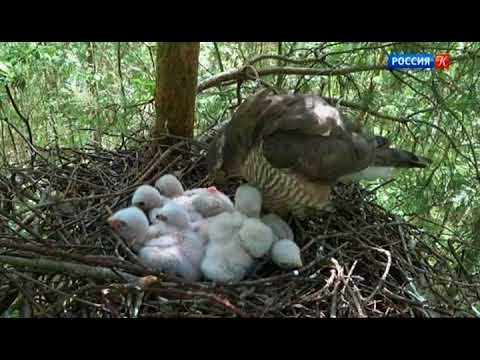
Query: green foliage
[[71, 92]]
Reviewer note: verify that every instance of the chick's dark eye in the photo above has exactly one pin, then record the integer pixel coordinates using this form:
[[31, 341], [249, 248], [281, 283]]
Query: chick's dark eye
[[141, 203]]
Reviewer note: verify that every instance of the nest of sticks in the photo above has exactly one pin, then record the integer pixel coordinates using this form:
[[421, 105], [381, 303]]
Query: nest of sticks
[[59, 258]]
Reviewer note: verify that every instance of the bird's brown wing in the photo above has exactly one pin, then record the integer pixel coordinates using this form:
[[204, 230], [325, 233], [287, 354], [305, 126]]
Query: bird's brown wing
[[305, 114], [306, 135], [320, 158], [264, 114]]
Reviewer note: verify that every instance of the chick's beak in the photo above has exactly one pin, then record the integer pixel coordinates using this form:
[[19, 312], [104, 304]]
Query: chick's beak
[[113, 223]]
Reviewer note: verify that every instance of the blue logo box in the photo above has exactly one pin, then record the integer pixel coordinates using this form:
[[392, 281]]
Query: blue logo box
[[411, 61]]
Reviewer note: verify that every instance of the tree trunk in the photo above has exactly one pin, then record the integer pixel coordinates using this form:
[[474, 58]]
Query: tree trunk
[[176, 88]]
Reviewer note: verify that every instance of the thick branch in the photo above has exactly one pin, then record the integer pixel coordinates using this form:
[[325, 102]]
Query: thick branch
[[94, 272], [284, 59], [240, 74], [104, 261]]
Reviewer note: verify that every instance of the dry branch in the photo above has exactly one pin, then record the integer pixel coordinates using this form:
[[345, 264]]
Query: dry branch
[[62, 267]]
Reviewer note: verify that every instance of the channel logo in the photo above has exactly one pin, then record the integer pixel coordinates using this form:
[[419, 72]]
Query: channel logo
[[418, 61]]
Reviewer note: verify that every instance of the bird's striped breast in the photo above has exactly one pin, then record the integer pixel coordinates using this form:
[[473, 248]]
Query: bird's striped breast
[[283, 190]]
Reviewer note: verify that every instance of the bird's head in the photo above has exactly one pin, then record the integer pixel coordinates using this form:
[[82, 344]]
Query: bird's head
[[399, 158], [286, 254], [146, 197], [174, 214], [131, 224], [225, 157], [215, 163], [169, 186], [248, 200], [156, 216], [256, 237]]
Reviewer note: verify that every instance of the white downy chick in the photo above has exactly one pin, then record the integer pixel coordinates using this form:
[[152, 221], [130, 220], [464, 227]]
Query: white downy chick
[[256, 237], [146, 197], [158, 227], [131, 224], [248, 200], [211, 202], [172, 253], [192, 243], [225, 259], [226, 203], [166, 254], [181, 250], [200, 227], [286, 254], [281, 230], [155, 216], [185, 201], [173, 214], [223, 227], [225, 263], [169, 186]]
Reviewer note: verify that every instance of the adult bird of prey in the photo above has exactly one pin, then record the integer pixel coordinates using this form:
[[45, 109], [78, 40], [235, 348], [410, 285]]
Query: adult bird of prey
[[295, 147]]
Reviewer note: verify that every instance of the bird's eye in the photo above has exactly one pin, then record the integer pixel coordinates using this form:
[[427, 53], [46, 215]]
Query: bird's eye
[[141, 203]]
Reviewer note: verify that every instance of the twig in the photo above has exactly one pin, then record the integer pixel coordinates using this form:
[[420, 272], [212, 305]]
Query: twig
[[120, 75], [72, 298], [20, 115], [385, 273], [30, 145], [338, 280], [219, 57]]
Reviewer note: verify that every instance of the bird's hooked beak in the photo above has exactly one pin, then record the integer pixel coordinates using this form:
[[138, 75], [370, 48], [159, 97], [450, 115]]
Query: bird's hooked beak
[[421, 161], [215, 160]]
